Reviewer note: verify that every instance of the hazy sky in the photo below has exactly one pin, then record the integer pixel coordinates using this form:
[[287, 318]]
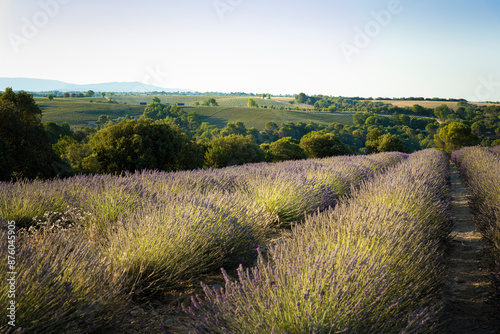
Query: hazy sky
[[364, 48]]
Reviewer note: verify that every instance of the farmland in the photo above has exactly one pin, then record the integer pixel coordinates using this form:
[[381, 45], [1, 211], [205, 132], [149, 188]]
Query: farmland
[[80, 112], [428, 104], [303, 246]]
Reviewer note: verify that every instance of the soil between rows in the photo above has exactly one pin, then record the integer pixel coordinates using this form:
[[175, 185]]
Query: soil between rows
[[468, 292]]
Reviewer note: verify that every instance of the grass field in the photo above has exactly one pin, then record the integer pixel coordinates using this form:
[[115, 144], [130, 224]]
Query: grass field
[[428, 104], [223, 101], [257, 117], [80, 112]]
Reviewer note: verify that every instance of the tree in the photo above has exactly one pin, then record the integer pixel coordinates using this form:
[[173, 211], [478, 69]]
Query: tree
[[454, 136], [21, 129], [102, 119], [252, 104], [320, 145], [90, 93], [391, 143], [478, 128], [103, 94], [234, 128], [50, 97], [301, 98], [285, 149], [66, 95], [156, 99], [6, 161], [232, 150], [56, 131], [432, 128], [442, 112], [210, 102], [136, 145]]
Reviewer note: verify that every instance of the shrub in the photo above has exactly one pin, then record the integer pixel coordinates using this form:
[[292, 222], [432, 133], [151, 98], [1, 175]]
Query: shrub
[[320, 145], [364, 267], [180, 237], [289, 195], [232, 150], [62, 284], [24, 200]]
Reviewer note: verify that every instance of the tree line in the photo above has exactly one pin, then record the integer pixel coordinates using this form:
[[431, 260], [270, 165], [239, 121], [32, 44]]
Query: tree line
[[167, 137]]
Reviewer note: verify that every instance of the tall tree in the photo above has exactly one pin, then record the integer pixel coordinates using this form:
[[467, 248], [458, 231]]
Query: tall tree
[[251, 103], [454, 136], [6, 161], [233, 150], [139, 144], [21, 128], [320, 145]]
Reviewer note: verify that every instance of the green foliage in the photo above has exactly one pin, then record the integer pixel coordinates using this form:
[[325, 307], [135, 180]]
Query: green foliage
[[90, 93], [210, 103], [50, 97], [63, 285], [138, 144], [252, 104], [454, 136], [442, 112], [320, 145], [284, 149], [232, 150], [187, 236], [21, 128], [377, 142], [6, 161], [234, 128], [56, 131]]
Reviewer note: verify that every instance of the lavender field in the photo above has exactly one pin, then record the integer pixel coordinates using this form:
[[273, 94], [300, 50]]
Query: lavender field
[[363, 253]]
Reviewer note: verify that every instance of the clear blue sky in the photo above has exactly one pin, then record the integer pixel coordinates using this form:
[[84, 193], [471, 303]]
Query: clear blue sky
[[445, 48]]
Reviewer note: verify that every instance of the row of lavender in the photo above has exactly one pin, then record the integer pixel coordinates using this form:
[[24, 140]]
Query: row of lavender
[[371, 265], [86, 244], [480, 167]]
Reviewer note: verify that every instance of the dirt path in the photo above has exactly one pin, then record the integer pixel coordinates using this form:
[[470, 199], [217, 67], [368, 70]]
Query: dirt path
[[467, 290]]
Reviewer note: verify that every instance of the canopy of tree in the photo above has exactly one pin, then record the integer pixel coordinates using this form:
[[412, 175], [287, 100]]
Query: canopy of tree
[[233, 150], [138, 144], [454, 136], [23, 138], [321, 145], [284, 149]]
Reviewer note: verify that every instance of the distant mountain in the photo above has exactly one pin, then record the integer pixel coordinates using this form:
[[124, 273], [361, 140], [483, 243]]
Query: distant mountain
[[42, 85]]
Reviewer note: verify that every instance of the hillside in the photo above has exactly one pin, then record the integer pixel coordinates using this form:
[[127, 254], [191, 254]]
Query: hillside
[[80, 112]]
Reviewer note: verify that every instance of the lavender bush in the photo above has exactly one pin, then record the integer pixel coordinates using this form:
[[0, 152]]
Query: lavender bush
[[185, 237], [367, 266], [62, 284], [92, 238]]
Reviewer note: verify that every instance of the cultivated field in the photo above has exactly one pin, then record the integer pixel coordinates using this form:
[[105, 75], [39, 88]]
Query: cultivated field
[[427, 104], [80, 112], [342, 244], [257, 117]]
